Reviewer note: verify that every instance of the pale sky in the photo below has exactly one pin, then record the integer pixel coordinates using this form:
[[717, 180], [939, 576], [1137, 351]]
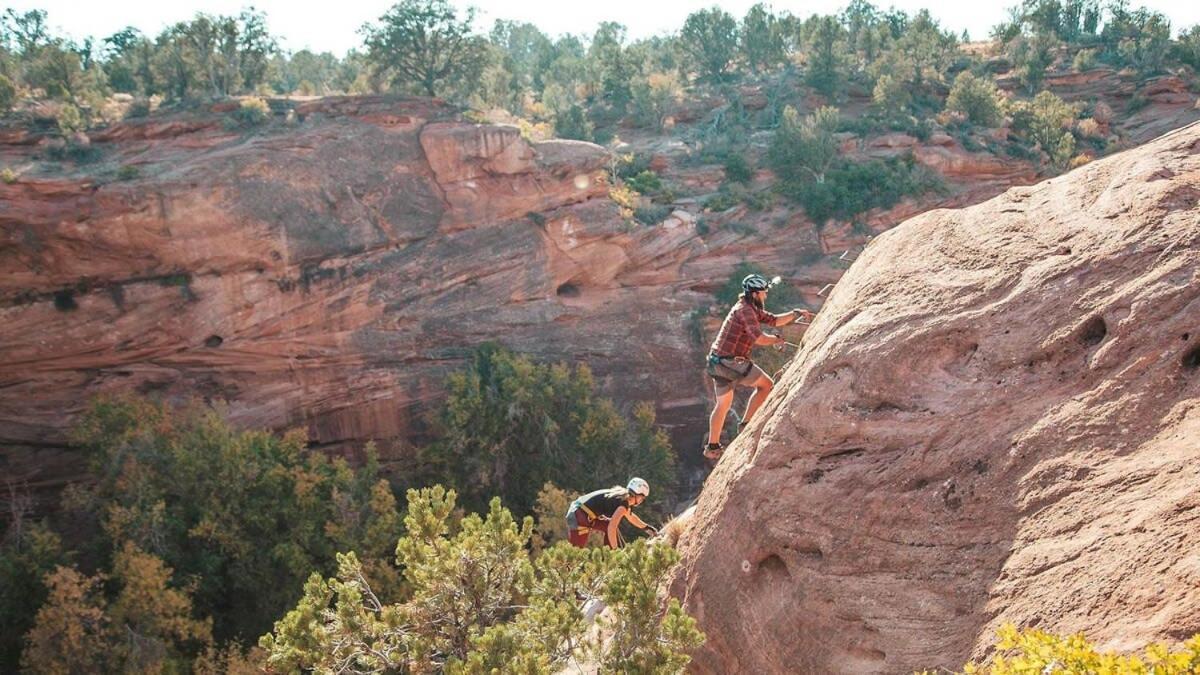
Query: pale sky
[[333, 26]]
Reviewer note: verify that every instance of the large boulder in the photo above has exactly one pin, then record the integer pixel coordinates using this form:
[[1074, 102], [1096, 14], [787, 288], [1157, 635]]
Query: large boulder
[[996, 419]]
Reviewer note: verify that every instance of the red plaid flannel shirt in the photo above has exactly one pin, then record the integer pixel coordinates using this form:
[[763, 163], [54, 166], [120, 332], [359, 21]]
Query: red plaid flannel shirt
[[741, 329]]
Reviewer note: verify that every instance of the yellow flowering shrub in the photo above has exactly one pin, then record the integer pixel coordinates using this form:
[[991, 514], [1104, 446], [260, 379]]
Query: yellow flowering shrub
[[1033, 652]]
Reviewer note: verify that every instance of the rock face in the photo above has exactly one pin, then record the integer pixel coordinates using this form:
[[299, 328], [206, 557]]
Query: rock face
[[326, 274], [330, 273], [996, 419]]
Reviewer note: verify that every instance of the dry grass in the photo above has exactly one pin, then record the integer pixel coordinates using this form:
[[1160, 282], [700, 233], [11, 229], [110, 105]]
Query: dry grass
[[675, 527]]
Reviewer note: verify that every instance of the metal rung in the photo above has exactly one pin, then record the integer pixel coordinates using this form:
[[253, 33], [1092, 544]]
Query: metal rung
[[824, 290]]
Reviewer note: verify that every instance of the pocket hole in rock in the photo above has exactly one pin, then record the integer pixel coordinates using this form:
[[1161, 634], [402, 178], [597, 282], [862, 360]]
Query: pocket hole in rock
[[1191, 358], [774, 565], [569, 290], [1094, 331], [64, 301], [213, 341]]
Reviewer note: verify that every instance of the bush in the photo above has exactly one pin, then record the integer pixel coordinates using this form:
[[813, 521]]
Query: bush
[[977, 98], [1046, 122], [654, 96], [1089, 128], [246, 515], [651, 215], [737, 169], [891, 95], [1033, 651], [851, 188], [1085, 60], [722, 201], [252, 112], [479, 604], [626, 199], [146, 627], [8, 176], [28, 552], [804, 147], [127, 172], [8, 95], [510, 425], [646, 182], [573, 124], [70, 119], [140, 107], [1187, 48]]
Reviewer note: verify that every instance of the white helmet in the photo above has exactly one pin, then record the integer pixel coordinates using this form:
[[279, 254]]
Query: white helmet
[[639, 486]]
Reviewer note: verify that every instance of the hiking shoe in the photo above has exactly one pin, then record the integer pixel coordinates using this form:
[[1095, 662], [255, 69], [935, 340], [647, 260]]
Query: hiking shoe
[[713, 451]]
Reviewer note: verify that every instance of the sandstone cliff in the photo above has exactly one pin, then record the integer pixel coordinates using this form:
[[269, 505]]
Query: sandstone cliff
[[329, 271], [996, 418]]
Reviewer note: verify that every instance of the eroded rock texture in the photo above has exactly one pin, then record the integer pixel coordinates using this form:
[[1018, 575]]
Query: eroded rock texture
[[996, 418]]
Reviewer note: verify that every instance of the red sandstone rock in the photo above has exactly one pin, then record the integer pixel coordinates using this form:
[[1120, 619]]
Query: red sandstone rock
[[995, 420], [893, 140]]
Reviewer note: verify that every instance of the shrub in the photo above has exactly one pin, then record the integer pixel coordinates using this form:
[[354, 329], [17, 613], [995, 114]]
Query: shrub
[[8, 95], [252, 112], [654, 96], [127, 172], [626, 199], [804, 147], [1033, 651], [1085, 60], [1046, 121], [549, 524], [652, 214], [509, 425], [28, 551], [70, 119], [977, 98], [737, 169], [758, 201], [1079, 160], [573, 124], [646, 182], [852, 188], [479, 604], [8, 176], [1187, 48], [722, 201], [1089, 128], [140, 107], [247, 515], [891, 95], [146, 627]]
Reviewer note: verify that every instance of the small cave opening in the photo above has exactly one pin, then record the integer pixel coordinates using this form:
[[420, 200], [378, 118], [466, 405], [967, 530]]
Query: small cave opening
[[64, 301], [214, 341], [773, 565], [569, 290], [1191, 358], [1093, 331]]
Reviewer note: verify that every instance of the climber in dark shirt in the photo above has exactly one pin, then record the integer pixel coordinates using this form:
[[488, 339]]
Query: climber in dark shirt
[[602, 511]]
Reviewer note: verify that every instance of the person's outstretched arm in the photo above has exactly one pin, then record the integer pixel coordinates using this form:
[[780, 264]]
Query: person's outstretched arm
[[611, 535]]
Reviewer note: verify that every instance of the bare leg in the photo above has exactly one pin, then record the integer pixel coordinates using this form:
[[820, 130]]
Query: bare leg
[[716, 421], [762, 387]]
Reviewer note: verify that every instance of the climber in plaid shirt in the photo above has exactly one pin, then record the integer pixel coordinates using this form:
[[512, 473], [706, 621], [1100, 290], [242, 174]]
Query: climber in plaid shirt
[[729, 363]]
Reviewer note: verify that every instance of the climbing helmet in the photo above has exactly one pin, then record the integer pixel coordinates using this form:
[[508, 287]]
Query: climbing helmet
[[639, 486], [755, 282]]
